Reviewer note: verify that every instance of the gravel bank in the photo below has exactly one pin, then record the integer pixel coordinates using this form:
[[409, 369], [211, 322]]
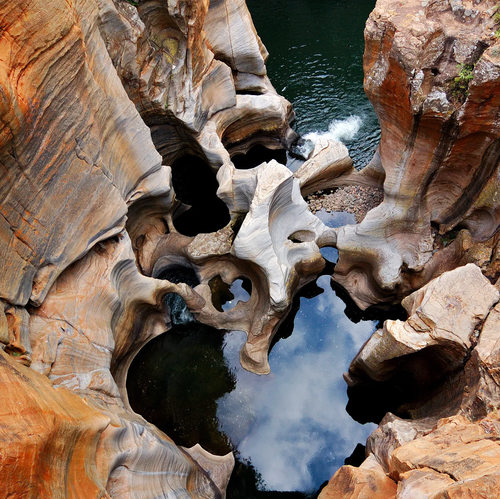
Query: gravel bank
[[353, 199]]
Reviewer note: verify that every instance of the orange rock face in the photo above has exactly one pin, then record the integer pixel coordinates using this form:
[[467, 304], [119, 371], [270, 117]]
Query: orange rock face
[[444, 440], [354, 483], [456, 458], [432, 74], [97, 98], [48, 438]]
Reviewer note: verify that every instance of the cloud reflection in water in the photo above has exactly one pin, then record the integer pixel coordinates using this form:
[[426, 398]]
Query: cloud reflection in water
[[292, 424]]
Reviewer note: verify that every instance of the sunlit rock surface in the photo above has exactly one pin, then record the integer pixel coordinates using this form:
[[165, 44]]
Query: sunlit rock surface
[[432, 74], [443, 441], [359, 483], [98, 99], [444, 315]]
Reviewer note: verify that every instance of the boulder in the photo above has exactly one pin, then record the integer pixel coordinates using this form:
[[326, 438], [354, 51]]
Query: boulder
[[444, 315], [356, 483]]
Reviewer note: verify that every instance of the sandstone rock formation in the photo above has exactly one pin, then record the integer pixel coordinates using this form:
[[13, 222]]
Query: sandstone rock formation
[[98, 99], [431, 72], [444, 441], [443, 315]]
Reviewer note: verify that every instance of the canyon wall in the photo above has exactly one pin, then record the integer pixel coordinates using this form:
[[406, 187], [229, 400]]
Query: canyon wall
[[99, 101], [106, 104], [432, 75], [437, 372]]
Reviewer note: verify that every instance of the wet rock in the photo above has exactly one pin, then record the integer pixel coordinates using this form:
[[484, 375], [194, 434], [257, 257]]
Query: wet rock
[[327, 161], [301, 149]]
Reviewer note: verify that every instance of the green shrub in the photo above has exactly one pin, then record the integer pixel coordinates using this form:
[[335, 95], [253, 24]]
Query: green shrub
[[460, 87]]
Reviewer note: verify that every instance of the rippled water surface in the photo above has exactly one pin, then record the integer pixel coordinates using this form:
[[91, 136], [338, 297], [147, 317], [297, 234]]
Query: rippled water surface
[[316, 62]]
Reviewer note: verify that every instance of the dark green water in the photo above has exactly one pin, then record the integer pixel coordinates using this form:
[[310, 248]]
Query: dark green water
[[316, 62], [289, 427]]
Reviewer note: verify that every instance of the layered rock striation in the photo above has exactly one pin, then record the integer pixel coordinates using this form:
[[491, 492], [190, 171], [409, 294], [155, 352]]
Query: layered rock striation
[[431, 73], [442, 441], [103, 106], [98, 100]]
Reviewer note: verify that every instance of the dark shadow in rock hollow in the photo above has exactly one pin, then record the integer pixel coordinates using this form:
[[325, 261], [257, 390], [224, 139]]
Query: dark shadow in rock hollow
[[175, 381], [355, 314], [195, 184], [414, 379], [257, 155], [357, 457], [180, 273]]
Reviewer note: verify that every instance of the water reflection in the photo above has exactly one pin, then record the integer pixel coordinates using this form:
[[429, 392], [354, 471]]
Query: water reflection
[[334, 219], [226, 296], [292, 425], [290, 429]]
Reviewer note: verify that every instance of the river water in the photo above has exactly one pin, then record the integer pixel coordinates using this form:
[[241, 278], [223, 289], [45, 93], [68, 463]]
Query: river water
[[281, 423], [316, 62], [289, 430]]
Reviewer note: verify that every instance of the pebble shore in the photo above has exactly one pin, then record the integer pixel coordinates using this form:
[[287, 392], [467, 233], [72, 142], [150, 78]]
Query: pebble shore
[[354, 199]]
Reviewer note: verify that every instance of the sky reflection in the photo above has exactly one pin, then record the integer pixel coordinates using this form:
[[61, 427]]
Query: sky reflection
[[292, 424]]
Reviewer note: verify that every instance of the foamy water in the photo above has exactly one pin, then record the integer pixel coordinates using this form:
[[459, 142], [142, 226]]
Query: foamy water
[[339, 130]]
